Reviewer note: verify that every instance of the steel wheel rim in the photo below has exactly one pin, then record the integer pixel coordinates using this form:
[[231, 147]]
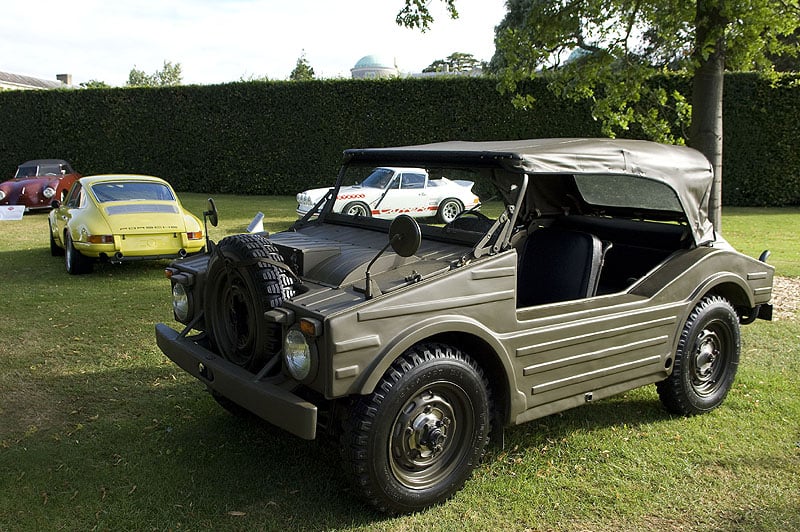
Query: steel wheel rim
[[709, 359], [357, 210], [236, 317], [450, 210], [430, 435]]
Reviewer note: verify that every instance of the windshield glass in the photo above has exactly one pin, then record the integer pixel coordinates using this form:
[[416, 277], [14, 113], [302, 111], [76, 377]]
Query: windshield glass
[[379, 178], [131, 191], [26, 171]]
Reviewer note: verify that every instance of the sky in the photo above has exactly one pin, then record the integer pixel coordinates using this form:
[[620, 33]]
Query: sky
[[219, 41]]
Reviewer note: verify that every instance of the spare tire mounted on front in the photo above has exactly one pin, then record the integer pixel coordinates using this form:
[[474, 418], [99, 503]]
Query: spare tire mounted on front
[[244, 281]]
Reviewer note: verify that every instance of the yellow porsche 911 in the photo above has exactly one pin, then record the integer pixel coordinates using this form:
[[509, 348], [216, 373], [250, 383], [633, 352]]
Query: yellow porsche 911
[[119, 218]]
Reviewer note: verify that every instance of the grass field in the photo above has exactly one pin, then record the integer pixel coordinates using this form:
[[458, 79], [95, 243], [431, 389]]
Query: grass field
[[100, 431]]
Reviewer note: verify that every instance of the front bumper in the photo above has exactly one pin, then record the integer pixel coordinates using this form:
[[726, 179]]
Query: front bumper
[[266, 400]]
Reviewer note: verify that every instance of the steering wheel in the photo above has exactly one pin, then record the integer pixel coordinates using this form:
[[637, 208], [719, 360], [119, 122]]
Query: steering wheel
[[481, 223]]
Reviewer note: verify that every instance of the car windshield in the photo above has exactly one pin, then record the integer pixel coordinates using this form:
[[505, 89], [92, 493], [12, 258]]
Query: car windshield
[[40, 170], [26, 171], [131, 191], [379, 178]]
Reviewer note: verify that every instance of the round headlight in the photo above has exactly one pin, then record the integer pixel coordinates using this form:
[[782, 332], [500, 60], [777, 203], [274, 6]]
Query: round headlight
[[49, 192], [180, 302], [2, 195], [297, 354]]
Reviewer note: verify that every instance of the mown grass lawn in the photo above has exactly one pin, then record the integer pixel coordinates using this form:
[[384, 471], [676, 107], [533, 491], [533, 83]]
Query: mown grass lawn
[[98, 430]]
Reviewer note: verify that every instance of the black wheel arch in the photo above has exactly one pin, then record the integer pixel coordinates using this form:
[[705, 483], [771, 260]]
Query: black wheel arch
[[489, 360], [733, 292], [484, 354], [738, 295]]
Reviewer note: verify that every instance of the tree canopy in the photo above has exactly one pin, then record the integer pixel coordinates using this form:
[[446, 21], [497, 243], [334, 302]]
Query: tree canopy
[[302, 70], [94, 84], [455, 62], [169, 75], [612, 53], [415, 14]]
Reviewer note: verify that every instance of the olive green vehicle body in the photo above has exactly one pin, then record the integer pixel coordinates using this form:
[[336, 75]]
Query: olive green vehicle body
[[462, 288]]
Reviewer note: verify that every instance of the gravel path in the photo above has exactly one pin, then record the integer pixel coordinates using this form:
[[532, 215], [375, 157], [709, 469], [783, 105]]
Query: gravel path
[[785, 298]]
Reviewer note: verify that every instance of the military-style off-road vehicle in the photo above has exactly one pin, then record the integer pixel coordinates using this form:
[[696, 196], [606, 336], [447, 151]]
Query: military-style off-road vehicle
[[590, 268]]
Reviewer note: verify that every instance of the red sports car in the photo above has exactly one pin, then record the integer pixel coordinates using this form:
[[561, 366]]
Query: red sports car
[[37, 183]]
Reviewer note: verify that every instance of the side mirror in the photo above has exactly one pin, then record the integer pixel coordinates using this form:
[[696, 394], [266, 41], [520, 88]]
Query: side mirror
[[405, 237], [211, 214]]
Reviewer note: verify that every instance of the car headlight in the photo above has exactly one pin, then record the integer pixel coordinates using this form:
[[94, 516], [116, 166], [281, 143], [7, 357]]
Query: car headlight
[[2, 195], [49, 192], [297, 354], [180, 302]]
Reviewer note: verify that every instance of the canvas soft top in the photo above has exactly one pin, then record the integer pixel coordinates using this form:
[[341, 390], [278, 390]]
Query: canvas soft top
[[683, 169]]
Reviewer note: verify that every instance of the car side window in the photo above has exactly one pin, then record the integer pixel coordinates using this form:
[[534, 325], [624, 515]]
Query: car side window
[[75, 199], [413, 181]]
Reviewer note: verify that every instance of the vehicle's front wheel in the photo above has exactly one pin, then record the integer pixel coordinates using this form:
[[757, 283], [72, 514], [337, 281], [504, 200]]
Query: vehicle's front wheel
[[705, 361], [357, 208], [243, 283], [449, 210], [415, 440], [76, 263]]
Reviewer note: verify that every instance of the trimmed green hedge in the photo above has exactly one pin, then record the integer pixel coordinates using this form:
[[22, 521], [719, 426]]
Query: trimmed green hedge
[[761, 157], [283, 137]]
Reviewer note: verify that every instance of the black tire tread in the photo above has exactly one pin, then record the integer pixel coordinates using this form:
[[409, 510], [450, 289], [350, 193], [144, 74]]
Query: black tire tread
[[272, 286], [80, 263], [671, 390], [363, 414]]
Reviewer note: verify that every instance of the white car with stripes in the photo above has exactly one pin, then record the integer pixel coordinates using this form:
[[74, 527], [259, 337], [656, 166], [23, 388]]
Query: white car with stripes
[[390, 191]]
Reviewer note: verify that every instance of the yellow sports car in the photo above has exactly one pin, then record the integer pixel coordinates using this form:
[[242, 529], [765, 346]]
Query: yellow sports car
[[118, 218]]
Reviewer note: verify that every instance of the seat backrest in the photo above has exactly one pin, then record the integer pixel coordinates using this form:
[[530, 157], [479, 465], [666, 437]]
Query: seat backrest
[[558, 265]]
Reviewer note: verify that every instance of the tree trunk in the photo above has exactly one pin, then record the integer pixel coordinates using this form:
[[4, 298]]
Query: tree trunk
[[706, 130]]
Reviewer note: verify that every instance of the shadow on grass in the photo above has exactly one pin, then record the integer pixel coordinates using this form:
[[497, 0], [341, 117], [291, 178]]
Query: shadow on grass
[[144, 444], [635, 408], [141, 446], [40, 260]]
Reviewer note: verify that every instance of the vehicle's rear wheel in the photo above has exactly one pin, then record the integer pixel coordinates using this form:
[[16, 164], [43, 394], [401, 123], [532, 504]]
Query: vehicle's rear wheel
[[449, 210], [76, 263], [705, 361], [239, 289], [357, 208], [55, 250], [415, 440]]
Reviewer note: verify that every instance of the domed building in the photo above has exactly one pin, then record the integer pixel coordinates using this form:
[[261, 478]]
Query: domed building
[[374, 66]]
